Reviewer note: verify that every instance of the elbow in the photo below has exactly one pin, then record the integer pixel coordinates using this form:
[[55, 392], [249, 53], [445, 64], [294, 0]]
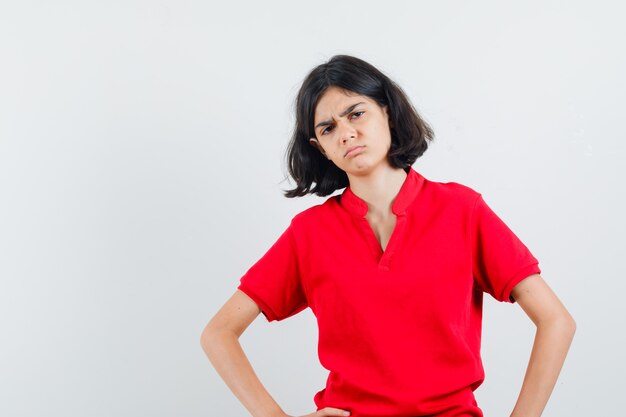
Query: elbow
[[572, 325], [208, 337], [567, 324], [567, 329], [205, 338], [210, 343], [212, 335], [562, 323]]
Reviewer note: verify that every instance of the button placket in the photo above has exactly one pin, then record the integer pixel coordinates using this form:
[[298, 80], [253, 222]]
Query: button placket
[[358, 209], [383, 258]]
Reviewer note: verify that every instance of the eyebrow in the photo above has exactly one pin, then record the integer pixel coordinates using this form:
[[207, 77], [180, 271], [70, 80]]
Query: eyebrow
[[346, 111]]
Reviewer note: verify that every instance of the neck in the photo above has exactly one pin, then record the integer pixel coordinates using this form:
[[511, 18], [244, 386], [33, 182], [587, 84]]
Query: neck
[[378, 189]]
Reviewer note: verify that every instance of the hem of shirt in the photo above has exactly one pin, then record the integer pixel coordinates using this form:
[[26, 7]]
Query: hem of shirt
[[522, 274], [265, 308]]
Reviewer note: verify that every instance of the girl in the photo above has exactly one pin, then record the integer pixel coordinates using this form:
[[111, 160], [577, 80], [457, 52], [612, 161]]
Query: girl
[[394, 268]]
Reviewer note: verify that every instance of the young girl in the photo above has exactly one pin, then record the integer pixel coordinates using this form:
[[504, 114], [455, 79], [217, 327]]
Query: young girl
[[394, 268]]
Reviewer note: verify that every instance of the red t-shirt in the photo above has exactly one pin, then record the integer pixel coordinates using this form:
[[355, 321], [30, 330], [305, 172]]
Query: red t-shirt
[[399, 330]]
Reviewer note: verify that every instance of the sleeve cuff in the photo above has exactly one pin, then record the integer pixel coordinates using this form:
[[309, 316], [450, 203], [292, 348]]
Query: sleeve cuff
[[265, 308], [516, 279]]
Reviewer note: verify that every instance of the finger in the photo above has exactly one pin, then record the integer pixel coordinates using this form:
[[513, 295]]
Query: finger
[[331, 411]]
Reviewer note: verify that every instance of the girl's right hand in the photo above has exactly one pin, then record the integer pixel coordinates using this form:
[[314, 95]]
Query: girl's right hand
[[328, 411]]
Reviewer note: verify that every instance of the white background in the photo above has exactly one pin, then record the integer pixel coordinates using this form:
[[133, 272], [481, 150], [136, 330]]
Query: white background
[[142, 162]]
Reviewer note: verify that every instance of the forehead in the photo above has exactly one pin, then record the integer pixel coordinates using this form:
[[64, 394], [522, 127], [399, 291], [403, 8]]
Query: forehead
[[335, 100]]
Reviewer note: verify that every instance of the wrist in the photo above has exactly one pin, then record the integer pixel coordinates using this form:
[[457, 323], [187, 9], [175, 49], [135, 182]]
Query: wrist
[[276, 413]]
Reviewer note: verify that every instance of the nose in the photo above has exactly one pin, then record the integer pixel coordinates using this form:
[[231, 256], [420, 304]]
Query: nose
[[346, 131]]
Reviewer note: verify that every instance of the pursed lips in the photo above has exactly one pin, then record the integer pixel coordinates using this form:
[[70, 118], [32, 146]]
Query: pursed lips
[[351, 149]]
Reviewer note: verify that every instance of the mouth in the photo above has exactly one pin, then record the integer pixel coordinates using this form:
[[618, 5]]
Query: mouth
[[353, 151]]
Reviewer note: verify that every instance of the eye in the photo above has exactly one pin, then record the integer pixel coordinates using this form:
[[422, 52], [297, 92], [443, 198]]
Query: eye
[[357, 114], [326, 129]]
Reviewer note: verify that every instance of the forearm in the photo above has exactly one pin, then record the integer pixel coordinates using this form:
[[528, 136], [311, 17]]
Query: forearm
[[227, 356], [552, 342]]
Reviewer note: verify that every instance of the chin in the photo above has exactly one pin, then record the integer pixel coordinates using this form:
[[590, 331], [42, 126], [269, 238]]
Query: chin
[[359, 167]]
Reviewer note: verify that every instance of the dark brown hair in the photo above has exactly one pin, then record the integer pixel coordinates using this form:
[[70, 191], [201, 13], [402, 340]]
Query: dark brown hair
[[410, 134]]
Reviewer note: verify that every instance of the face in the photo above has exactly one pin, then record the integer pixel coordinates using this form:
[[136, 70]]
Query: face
[[344, 120]]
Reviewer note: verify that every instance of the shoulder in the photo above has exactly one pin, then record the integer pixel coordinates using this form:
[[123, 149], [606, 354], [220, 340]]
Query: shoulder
[[451, 192], [317, 220], [317, 213]]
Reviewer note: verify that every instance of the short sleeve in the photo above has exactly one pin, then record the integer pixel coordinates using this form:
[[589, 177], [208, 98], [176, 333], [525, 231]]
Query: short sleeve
[[500, 258], [274, 281]]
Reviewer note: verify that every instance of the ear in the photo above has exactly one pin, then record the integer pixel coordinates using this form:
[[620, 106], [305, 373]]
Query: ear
[[316, 144]]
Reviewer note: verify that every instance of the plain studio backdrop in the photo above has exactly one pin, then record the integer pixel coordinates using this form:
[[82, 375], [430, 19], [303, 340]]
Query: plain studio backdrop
[[142, 166]]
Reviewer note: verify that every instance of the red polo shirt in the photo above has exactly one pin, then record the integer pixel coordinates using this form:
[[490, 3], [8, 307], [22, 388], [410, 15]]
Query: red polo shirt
[[399, 330]]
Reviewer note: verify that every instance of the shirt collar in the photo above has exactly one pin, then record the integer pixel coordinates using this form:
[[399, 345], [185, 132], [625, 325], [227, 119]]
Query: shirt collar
[[409, 190]]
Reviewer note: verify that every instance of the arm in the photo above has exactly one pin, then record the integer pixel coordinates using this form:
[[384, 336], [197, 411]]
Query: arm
[[555, 331], [220, 342]]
